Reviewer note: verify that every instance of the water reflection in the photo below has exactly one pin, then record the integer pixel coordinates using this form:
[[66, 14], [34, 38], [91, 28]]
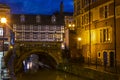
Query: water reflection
[[65, 76], [50, 75]]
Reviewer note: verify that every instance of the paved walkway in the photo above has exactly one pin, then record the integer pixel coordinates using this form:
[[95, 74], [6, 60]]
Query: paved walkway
[[97, 67], [100, 68]]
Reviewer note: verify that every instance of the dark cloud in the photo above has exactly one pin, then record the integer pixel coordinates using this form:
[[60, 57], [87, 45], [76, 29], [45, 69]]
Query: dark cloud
[[38, 6]]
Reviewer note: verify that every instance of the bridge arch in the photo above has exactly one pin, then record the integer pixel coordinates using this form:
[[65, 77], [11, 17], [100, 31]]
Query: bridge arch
[[52, 56]]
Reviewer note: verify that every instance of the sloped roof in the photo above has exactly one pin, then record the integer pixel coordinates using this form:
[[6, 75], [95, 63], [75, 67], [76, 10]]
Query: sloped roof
[[4, 6]]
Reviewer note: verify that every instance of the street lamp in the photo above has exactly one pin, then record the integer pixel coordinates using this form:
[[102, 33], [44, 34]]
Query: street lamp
[[3, 20], [71, 26]]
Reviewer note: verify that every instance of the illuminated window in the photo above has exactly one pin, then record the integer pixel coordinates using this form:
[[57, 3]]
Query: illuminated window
[[50, 36], [105, 35], [58, 37], [1, 31], [22, 18], [35, 35], [53, 19]]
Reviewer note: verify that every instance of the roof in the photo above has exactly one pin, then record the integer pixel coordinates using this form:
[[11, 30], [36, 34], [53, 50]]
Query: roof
[[31, 19], [4, 6]]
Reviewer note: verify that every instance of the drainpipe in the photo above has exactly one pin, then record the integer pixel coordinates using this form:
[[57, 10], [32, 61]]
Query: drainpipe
[[115, 34]]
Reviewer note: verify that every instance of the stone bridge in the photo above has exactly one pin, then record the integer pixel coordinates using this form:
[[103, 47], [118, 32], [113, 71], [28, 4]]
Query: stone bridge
[[25, 49]]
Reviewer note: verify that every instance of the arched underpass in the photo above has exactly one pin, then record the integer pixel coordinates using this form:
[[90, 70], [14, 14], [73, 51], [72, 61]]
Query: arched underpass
[[48, 60], [44, 60], [35, 62]]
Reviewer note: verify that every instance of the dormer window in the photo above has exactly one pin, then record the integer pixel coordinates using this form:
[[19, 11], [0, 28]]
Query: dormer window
[[53, 19], [22, 18], [38, 19]]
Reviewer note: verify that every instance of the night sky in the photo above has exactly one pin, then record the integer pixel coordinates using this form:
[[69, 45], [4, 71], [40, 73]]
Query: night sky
[[37, 6]]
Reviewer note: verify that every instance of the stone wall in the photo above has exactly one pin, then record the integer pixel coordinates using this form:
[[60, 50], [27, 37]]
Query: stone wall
[[88, 73]]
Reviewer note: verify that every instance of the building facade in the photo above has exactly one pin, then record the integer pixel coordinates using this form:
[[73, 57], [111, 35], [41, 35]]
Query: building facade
[[38, 28], [97, 23], [4, 29], [70, 37]]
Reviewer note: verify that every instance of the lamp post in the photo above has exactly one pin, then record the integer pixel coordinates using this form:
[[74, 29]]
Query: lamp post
[[3, 21], [71, 26], [79, 39]]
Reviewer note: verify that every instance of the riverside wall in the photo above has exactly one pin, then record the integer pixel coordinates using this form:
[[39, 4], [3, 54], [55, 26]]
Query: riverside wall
[[91, 74]]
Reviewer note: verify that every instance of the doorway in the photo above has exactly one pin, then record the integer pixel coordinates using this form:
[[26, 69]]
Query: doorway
[[112, 59], [105, 59]]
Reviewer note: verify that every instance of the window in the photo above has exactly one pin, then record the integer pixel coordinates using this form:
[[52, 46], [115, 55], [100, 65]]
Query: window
[[99, 54], [94, 0], [27, 27], [47, 27], [22, 26], [38, 19], [58, 36], [90, 16], [27, 35], [101, 12], [101, 33], [104, 11], [105, 35], [51, 28], [43, 36], [86, 17], [53, 19], [86, 2], [78, 22], [19, 35], [1, 31], [18, 27], [22, 18], [117, 11], [50, 36], [6, 47], [58, 28], [35, 35], [43, 28], [35, 28]]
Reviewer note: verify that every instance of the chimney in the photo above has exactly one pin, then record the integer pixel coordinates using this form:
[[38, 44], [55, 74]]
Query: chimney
[[61, 7]]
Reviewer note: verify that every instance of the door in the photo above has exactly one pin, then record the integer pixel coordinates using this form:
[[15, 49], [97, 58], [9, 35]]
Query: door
[[111, 59], [105, 58]]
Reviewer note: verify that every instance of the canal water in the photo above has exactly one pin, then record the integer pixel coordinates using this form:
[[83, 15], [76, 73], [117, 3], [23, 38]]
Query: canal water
[[49, 75]]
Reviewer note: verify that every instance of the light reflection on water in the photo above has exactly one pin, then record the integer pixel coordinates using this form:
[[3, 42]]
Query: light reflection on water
[[50, 75], [66, 76]]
